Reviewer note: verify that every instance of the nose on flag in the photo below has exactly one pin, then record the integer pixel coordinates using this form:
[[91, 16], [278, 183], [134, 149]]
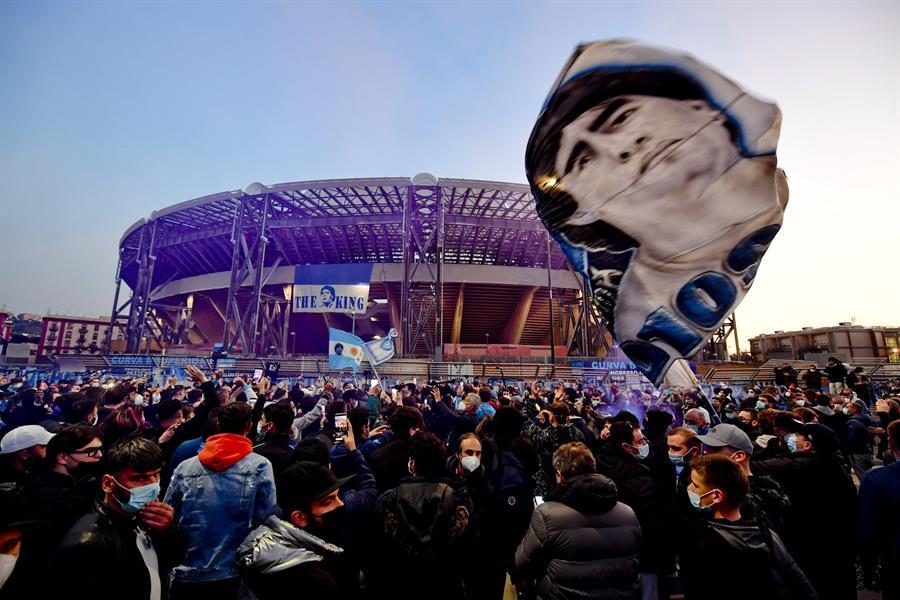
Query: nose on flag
[[345, 350]]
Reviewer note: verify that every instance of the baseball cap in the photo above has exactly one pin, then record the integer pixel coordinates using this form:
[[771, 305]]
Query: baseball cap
[[724, 434], [24, 437], [304, 482]]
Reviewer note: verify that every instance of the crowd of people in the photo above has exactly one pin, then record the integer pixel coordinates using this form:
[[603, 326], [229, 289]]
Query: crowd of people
[[215, 488]]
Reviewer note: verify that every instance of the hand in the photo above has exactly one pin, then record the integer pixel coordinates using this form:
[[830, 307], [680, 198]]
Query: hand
[[349, 440], [171, 381], [168, 434], [220, 373], [237, 382], [378, 431], [158, 516], [195, 374]]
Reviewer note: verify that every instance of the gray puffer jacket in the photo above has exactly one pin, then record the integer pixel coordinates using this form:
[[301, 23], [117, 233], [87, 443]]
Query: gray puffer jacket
[[582, 543]]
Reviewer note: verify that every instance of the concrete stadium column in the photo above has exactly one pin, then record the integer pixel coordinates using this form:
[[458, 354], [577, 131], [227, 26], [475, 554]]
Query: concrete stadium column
[[512, 333], [458, 314]]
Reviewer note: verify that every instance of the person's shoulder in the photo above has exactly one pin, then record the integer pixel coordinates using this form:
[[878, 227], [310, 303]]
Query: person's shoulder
[[883, 476]]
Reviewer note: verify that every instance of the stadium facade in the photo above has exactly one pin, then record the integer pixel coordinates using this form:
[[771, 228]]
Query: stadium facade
[[457, 267]]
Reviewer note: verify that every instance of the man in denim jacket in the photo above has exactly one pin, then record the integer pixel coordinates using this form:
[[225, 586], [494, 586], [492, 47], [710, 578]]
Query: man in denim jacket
[[219, 496]]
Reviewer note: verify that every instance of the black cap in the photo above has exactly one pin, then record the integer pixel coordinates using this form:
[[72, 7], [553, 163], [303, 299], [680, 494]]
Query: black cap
[[304, 482], [167, 409]]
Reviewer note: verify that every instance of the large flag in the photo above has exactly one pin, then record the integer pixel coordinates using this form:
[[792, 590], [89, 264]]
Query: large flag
[[658, 177], [379, 351], [345, 350]]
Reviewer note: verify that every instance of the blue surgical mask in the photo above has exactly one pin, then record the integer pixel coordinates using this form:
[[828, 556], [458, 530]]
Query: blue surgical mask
[[677, 459], [697, 429], [140, 496], [791, 441], [643, 451], [694, 497], [760, 405]]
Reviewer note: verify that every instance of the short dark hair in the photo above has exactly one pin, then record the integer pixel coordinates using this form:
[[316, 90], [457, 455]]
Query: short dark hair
[[138, 453], [403, 419], [279, 415], [429, 454], [621, 432], [69, 439], [235, 418], [194, 395], [359, 419], [722, 473], [114, 395], [75, 406], [574, 459]]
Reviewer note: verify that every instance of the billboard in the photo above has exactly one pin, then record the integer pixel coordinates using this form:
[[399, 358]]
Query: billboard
[[331, 288]]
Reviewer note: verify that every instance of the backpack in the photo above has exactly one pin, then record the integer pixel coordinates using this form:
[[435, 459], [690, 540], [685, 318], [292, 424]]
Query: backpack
[[514, 487]]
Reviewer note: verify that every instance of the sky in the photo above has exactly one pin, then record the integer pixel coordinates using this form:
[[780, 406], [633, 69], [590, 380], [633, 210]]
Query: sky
[[109, 111]]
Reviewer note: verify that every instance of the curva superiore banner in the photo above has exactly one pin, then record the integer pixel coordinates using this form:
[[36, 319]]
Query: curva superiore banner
[[331, 288]]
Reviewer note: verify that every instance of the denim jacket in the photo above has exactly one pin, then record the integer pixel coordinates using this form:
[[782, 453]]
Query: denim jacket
[[217, 506]]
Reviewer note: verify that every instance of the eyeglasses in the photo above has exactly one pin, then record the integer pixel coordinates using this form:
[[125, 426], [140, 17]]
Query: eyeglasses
[[92, 452]]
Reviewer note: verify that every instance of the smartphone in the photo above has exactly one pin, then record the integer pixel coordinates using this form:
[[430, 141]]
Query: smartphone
[[538, 500], [340, 426], [257, 374]]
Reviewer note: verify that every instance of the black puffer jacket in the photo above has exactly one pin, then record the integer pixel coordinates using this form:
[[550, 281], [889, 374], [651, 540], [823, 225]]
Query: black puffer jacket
[[638, 489], [582, 543]]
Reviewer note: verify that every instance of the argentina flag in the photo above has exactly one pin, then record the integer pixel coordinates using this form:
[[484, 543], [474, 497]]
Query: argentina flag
[[345, 350]]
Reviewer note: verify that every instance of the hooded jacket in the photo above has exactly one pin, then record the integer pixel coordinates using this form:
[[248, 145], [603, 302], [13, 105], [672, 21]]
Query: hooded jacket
[[278, 556], [711, 553], [582, 543], [219, 496]]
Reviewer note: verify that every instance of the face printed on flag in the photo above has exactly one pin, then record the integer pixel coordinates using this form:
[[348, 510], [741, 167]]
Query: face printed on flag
[[658, 177], [345, 350]]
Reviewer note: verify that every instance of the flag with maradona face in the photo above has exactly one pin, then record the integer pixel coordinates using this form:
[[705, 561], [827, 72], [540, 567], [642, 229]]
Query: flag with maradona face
[[345, 350], [658, 177]]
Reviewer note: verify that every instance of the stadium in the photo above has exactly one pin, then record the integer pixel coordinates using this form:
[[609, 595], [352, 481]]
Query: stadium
[[458, 268]]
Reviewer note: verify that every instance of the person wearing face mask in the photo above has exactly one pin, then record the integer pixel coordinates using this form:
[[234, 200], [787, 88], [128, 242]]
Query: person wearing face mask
[[298, 550], [724, 537], [859, 441], [22, 563], [21, 452], [696, 420], [124, 547], [559, 556], [487, 581], [683, 446], [765, 499], [66, 486], [624, 459], [426, 524], [815, 479], [273, 433]]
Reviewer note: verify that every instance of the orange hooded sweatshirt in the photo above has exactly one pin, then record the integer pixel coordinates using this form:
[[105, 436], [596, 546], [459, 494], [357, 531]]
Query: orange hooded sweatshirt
[[223, 450]]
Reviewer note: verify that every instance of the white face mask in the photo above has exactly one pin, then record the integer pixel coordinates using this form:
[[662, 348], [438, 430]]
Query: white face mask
[[7, 564], [470, 463], [138, 400]]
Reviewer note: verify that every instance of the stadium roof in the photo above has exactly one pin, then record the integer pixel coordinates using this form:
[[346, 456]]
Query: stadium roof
[[343, 221]]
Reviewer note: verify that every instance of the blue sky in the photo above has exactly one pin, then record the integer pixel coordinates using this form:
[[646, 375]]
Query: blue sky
[[109, 111]]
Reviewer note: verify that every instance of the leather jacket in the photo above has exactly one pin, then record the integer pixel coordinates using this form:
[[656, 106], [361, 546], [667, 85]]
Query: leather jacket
[[99, 557]]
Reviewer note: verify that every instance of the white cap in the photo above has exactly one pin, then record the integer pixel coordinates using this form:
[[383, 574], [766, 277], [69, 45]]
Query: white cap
[[24, 437]]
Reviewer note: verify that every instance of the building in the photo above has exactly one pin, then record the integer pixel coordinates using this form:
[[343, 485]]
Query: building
[[62, 335], [6, 327], [846, 341], [457, 267]]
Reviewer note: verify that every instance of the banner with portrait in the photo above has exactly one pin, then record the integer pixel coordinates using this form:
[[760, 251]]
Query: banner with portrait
[[332, 288], [658, 177]]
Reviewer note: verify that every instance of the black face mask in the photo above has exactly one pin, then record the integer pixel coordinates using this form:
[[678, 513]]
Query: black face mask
[[84, 469], [328, 526]]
